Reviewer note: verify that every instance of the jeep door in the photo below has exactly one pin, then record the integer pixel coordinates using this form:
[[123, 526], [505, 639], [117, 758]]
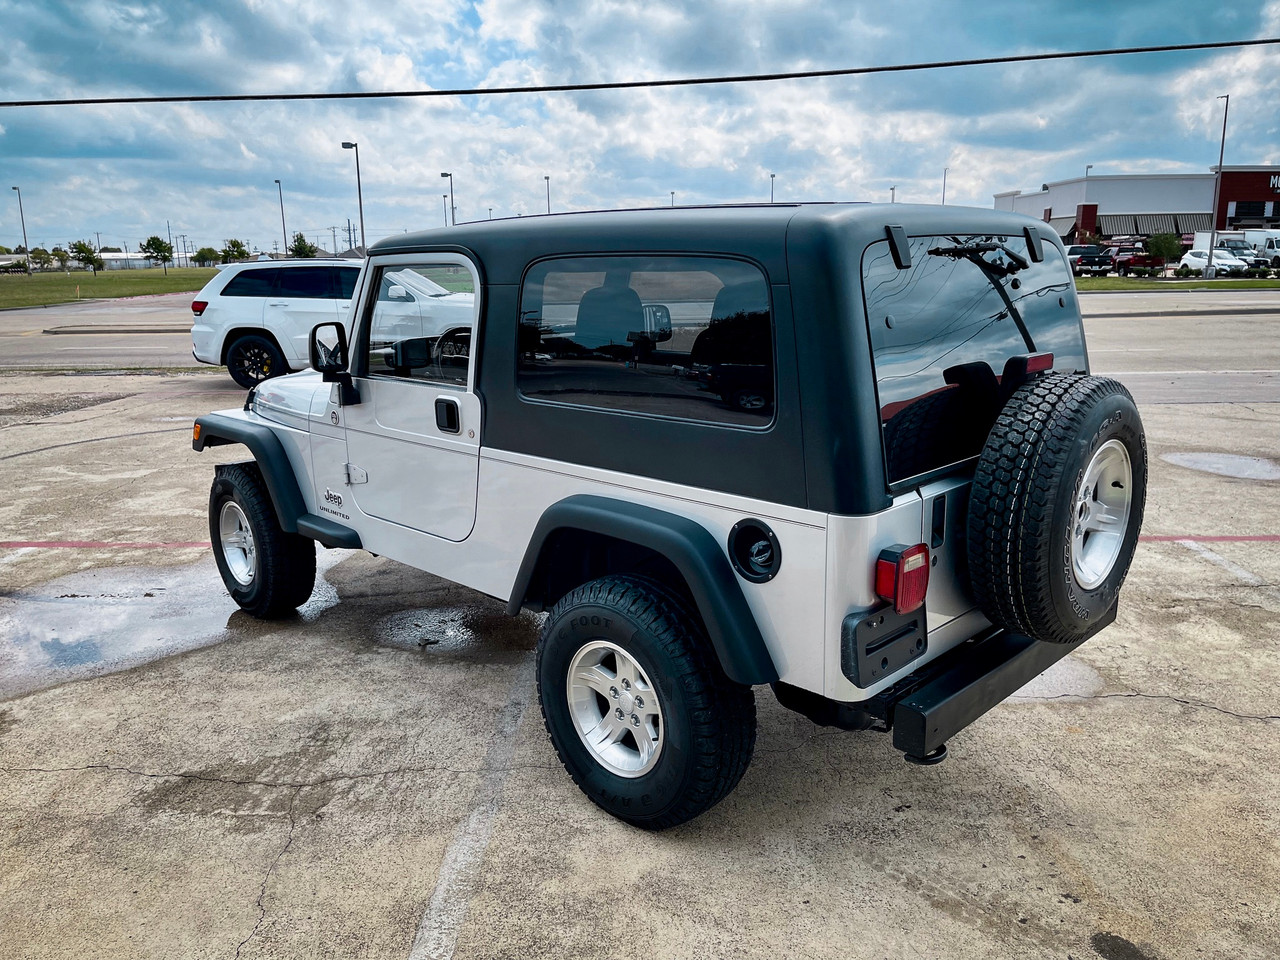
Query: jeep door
[[413, 440]]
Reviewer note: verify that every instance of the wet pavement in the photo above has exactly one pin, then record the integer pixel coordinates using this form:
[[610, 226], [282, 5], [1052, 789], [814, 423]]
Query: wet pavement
[[371, 778]]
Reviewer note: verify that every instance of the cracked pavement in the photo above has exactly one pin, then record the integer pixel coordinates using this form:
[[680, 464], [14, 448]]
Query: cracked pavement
[[371, 778]]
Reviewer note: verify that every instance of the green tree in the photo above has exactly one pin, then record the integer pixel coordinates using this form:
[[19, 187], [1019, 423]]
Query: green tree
[[110, 250], [301, 247], [4, 251], [41, 258], [1167, 246], [154, 248], [61, 256], [83, 251], [233, 250], [205, 256]]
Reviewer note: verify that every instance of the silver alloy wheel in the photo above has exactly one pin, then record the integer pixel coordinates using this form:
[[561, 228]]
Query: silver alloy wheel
[[615, 709], [1101, 515], [238, 546]]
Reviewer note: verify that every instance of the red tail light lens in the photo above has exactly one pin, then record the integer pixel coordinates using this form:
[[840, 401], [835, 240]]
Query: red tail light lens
[[197, 307], [902, 576]]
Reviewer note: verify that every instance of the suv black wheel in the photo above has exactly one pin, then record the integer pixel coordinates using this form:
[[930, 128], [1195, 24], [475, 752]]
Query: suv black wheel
[[252, 359], [267, 571], [637, 705], [1056, 506]]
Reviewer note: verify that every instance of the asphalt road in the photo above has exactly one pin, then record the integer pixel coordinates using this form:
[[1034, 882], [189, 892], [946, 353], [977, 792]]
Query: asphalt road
[[372, 779]]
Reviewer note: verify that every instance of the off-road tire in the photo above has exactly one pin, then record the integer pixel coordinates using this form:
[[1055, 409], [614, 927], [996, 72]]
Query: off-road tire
[[708, 721], [283, 569], [252, 359], [1024, 503]]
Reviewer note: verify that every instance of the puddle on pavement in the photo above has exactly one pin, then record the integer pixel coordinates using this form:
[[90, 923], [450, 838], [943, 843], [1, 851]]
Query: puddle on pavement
[[106, 620], [1068, 677], [1226, 465]]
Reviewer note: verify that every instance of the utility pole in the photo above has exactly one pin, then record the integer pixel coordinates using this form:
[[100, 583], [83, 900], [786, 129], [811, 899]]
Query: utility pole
[[283, 231], [25, 245], [98, 234], [1217, 189], [944, 185], [334, 231], [548, 179]]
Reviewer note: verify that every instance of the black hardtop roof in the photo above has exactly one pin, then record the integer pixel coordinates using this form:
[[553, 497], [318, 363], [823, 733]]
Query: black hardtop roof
[[758, 231]]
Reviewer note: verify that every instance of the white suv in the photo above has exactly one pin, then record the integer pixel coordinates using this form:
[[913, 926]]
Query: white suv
[[255, 318]]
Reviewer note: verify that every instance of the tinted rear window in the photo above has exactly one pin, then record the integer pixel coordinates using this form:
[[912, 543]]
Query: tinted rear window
[[347, 277], [306, 283], [252, 283], [942, 330]]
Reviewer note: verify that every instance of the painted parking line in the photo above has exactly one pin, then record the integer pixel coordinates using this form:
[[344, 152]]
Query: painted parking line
[[1192, 538]]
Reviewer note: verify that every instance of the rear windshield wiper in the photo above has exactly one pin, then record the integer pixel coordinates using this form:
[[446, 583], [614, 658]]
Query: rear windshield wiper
[[994, 271]]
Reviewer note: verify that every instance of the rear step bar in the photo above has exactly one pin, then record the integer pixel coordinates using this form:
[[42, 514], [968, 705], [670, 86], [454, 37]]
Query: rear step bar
[[943, 698]]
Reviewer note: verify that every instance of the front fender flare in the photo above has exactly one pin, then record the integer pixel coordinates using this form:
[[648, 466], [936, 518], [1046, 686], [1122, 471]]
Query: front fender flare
[[695, 553]]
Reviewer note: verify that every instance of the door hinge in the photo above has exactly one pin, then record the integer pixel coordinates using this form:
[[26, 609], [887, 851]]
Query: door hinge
[[356, 475]]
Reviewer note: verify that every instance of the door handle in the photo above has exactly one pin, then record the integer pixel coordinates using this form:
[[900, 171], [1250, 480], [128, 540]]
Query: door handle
[[447, 415]]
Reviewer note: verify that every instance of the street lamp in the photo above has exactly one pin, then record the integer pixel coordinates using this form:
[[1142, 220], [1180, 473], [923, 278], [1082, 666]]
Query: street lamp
[[771, 176], [1087, 168], [944, 185], [444, 202], [673, 198], [23, 217], [283, 232], [491, 213], [348, 145], [893, 194], [548, 179], [452, 209], [1217, 188]]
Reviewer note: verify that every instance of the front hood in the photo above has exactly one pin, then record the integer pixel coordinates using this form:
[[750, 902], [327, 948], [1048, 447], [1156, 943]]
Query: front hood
[[287, 400]]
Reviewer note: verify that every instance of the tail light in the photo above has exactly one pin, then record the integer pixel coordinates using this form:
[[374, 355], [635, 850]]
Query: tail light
[[902, 576], [197, 307]]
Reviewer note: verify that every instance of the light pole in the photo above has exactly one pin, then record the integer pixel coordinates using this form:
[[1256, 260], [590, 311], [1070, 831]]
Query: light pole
[[771, 176], [673, 198], [1087, 168], [491, 213], [23, 217], [944, 185], [893, 194], [283, 231], [444, 202], [453, 211], [548, 179], [349, 145], [1217, 188]]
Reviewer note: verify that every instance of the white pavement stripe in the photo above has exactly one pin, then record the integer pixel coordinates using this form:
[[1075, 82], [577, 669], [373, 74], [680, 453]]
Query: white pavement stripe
[[437, 935], [16, 555], [1237, 571]]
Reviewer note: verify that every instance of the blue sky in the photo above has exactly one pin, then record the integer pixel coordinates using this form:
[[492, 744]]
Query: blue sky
[[209, 170]]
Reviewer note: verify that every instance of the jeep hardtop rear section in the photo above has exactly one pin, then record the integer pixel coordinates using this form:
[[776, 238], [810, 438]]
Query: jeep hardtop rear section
[[852, 451]]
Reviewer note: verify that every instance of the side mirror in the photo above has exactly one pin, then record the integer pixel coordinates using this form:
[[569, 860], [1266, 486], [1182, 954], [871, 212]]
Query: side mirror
[[657, 321], [397, 292], [328, 349]]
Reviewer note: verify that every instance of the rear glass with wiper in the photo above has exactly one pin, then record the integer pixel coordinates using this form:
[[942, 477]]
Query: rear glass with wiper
[[942, 330]]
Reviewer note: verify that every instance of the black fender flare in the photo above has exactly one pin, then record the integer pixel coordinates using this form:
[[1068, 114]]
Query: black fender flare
[[213, 430], [702, 562]]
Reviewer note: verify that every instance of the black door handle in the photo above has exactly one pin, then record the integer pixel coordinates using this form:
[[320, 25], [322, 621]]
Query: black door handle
[[447, 415]]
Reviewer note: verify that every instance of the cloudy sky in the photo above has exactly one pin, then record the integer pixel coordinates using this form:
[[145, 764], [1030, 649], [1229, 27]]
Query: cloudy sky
[[209, 170]]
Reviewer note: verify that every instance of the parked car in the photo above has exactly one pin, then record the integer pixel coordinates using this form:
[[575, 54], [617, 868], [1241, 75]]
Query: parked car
[[1223, 261], [1242, 250], [254, 318], [1126, 258], [852, 453], [1088, 258]]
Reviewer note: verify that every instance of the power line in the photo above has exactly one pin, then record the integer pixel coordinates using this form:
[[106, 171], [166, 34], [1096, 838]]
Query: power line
[[645, 84]]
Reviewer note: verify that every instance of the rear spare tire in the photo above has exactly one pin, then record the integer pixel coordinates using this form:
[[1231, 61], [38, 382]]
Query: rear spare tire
[[1056, 506]]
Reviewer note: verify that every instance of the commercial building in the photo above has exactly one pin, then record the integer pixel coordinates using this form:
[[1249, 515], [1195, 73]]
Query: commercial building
[[1140, 205]]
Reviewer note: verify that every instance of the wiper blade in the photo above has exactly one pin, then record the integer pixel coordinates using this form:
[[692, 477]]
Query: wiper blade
[[975, 251]]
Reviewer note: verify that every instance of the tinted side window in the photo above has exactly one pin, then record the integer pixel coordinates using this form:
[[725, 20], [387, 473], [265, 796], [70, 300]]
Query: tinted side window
[[942, 330], [421, 323], [252, 283], [305, 283], [346, 277], [686, 337]]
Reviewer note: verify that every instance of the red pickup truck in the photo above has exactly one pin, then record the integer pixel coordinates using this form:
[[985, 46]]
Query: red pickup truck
[[1127, 258]]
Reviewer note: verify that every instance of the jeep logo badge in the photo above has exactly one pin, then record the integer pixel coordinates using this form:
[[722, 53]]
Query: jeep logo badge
[[332, 497]]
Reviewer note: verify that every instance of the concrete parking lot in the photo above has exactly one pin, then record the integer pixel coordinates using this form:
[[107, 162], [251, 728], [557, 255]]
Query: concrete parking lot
[[372, 778]]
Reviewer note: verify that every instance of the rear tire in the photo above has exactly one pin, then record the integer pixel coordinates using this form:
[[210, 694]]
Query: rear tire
[[637, 705], [268, 572], [252, 359], [1056, 506]]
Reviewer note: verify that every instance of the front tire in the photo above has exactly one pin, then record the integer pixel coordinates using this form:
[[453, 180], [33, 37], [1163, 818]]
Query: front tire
[[267, 571], [252, 359], [638, 707]]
